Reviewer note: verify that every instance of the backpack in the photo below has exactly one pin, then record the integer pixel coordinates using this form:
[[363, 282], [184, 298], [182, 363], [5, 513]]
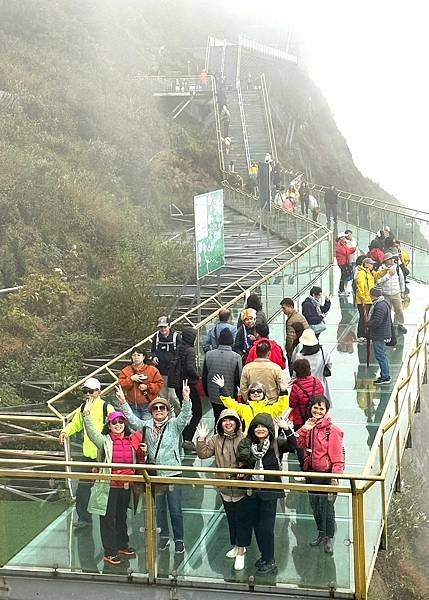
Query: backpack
[[308, 396], [174, 341]]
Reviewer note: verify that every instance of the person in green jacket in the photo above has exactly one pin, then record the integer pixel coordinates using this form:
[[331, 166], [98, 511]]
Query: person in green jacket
[[162, 432], [99, 411]]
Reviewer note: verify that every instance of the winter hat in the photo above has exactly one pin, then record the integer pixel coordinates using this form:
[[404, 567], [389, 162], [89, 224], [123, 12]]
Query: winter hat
[[225, 337], [308, 338], [376, 292]]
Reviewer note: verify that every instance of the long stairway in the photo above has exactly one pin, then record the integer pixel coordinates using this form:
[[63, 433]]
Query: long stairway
[[256, 124]]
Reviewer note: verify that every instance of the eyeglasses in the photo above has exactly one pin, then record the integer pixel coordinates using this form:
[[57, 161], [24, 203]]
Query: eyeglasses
[[88, 391], [116, 421], [257, 391], [159, 407]]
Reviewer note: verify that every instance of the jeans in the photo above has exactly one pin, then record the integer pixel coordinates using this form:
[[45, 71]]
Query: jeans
[[172, 497], [381, 357], [140, 410]]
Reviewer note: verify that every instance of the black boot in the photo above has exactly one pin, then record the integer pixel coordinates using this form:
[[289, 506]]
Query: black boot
[[318, 540]]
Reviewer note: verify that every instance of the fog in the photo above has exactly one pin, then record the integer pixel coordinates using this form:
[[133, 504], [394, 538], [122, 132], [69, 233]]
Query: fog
[[370, 61]]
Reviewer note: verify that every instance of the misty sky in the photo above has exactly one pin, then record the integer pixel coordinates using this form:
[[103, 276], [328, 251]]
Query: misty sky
[[370, 60]]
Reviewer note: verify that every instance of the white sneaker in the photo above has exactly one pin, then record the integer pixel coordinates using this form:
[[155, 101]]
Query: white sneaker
[[239, 562], [232, 553], [361, 340], [299, 479]]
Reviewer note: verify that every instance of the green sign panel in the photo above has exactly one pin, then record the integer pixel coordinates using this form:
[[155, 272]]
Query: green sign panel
[[209, 244]]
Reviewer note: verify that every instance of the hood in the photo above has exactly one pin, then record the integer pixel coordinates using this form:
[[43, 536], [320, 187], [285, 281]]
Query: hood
[[228, 412], [325, 422], [261, 419], [188, 336]]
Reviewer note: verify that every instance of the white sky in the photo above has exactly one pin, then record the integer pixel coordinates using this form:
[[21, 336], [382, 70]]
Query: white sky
[[370, 59]]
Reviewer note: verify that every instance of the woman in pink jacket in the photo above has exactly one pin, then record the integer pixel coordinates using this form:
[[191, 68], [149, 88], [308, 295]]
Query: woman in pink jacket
[[343, 254], [322, 442]]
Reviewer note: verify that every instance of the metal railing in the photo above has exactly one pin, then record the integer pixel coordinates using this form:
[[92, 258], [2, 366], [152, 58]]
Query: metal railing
[[243, 124], [268, 118]]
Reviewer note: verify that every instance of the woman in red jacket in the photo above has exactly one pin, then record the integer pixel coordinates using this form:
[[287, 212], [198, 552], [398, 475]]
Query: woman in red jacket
[[262, 332], [322, 442], [343, 254], [141, 382]]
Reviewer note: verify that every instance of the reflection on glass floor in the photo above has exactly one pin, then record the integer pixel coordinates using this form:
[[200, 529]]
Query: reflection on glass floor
[[358, 409]]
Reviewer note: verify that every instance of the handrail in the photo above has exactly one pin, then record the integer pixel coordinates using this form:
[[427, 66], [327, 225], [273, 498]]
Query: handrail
[[312, 239], [217, 125], [243, 124], [268, 118]]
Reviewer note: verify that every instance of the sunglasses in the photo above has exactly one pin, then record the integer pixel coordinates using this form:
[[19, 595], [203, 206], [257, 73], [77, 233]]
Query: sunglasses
[[116, 421], [88, 391], [159, 407], [258, 391]]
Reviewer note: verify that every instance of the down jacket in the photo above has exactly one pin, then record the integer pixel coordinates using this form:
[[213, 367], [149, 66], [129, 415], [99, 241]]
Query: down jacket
[[300, 395], [365, 280], [380, 320], [252, 408], [154, 383], [224, 449], [276, 353], [343, 253], [323, 447]]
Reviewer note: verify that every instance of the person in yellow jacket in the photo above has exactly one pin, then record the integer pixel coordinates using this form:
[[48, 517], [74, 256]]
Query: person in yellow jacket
[[365, 280], [99, 411], [256, 404]]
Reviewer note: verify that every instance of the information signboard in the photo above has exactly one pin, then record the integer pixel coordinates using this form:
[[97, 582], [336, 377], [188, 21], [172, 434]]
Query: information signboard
[[209, 241]]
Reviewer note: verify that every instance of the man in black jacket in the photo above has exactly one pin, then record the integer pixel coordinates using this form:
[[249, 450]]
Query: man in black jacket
[[380, 330]]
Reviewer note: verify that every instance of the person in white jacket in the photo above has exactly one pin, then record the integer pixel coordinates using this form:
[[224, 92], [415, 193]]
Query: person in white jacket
[[392, 286]]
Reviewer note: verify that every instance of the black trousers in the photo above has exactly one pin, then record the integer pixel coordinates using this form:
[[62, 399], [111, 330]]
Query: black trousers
[[331, 212], [197, 412], [83, 493], [113, 525], [323, 510], [261, 516], [239, 522], [345, 273], [363, 318]]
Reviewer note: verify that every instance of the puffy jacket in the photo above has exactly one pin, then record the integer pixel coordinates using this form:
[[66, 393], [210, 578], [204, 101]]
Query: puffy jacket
[[154, 383], [252, 408], [276, 353], [323, 447], [309, 310], [77, 424], [224, 449], [391, 285], [380, 320], [104, 444], [343, 253], [245, 456], [365, 280], [331, 197], [222, 360], [169, 453], [187, 356], [300, 395]]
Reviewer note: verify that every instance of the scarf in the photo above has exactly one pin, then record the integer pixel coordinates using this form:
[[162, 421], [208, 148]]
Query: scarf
[[371, 310], [259, 455], [158, 427]]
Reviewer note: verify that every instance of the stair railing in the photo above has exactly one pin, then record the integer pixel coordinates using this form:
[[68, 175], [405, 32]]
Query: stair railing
[[243, 124], [268, 118]]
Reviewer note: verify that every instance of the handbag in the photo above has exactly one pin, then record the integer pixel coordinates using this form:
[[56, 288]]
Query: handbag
[[326, 370], [393, 339], [318, 327]]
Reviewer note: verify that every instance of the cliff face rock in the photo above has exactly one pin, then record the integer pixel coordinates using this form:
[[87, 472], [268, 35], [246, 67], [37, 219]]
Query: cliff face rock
[[402, 571]]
